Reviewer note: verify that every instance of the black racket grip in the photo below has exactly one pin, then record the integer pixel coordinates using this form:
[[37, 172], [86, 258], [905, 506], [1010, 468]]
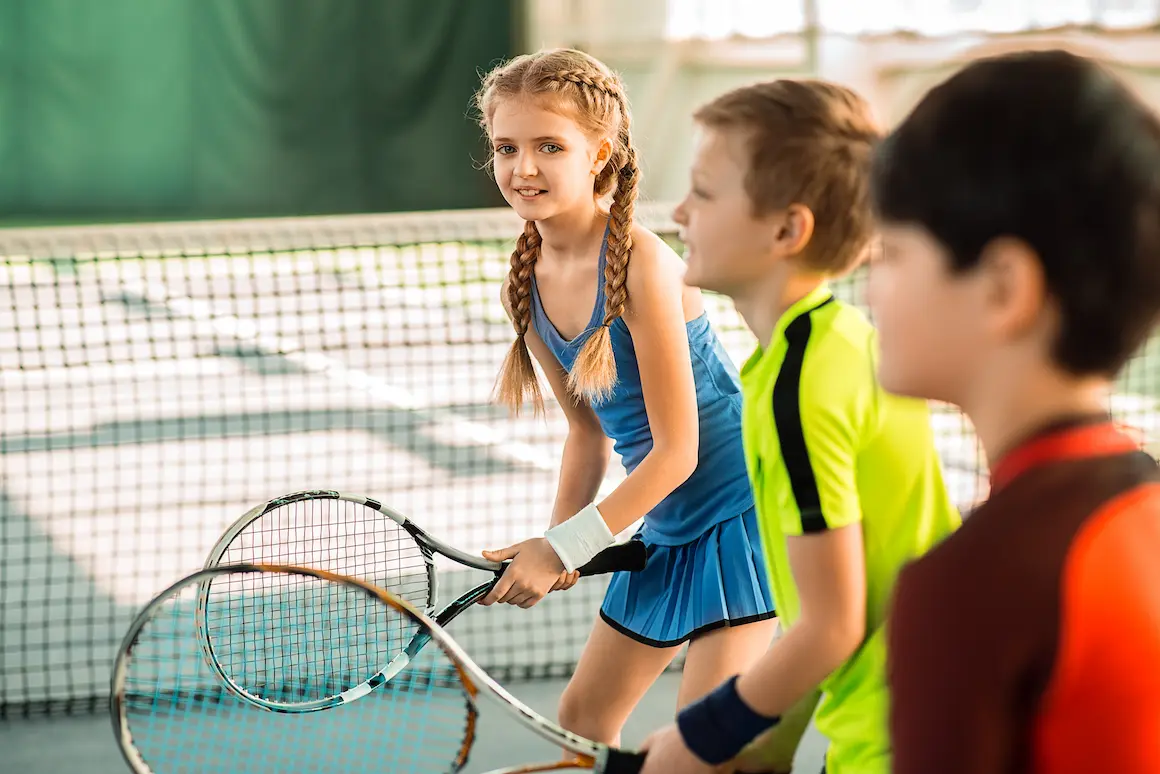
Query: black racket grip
[[630, 556], [622, 761]]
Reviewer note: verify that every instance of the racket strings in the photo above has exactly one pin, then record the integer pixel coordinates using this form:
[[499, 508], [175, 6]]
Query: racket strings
[[296, 634], [280, 645], [340, 536]]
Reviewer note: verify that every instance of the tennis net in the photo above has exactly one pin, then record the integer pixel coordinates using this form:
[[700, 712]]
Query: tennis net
[[157, 381]]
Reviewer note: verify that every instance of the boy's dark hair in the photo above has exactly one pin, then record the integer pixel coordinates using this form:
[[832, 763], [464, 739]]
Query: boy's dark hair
[[1049, 148], [810, 143]]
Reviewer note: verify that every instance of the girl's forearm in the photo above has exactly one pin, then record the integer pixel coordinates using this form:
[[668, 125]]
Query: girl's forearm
[[657, 475], [582, 470]]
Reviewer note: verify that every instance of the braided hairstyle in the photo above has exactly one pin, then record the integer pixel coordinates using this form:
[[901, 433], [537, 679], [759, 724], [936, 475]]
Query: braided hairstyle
[[598, 102]]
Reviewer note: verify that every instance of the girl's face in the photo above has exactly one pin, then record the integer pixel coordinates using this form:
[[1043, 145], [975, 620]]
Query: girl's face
[[545, 164]]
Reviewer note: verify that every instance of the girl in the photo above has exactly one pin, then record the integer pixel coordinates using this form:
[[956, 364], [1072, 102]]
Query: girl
[[630, 356]]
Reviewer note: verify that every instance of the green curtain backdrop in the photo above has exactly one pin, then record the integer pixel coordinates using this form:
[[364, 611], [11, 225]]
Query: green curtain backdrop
[[160, 109]]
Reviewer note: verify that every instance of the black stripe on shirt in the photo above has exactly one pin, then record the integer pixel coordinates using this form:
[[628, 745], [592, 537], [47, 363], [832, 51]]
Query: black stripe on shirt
[[787, 417]]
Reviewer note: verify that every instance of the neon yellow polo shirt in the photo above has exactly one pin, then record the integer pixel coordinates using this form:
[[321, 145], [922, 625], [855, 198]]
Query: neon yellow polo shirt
[[827, 447]]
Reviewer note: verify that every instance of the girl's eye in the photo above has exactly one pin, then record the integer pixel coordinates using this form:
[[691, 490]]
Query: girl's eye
[[504, 150], [551, 148], [699, 193]]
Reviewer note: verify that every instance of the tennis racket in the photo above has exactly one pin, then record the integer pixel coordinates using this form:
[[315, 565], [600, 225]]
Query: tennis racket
[[360, 537], [290, 627]]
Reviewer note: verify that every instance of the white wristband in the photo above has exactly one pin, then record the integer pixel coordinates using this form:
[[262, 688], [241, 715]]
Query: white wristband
[[580, 538]]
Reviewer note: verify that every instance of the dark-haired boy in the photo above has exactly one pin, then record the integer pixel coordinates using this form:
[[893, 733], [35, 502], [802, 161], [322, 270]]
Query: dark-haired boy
[[1020, 271]]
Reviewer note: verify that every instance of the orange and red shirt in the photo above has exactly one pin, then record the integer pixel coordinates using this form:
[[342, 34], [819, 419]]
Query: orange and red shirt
[[1029, 640]]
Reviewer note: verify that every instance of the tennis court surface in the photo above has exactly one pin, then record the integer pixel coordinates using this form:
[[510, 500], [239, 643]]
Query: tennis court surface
[[158, 381]]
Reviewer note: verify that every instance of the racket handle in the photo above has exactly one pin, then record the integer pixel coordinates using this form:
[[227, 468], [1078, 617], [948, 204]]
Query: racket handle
[[630, 557], [622, 761]]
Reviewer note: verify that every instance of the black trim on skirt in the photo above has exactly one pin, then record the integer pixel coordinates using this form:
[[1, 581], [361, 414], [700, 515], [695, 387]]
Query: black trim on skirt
[[691, 635]]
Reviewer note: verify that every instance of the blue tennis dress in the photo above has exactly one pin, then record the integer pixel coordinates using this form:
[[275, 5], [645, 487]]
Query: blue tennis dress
[[705, 568]]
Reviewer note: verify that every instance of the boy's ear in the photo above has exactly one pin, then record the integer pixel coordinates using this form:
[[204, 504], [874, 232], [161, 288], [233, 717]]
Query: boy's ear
[[796, 229], [1015, 285]]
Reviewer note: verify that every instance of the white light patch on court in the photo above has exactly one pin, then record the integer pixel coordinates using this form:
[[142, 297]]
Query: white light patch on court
[[418, 281], [219, 323], [133, 530], [79, 398]]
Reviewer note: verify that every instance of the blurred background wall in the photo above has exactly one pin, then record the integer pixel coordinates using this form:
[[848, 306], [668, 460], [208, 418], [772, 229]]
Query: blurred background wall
[[114, 110], [677, 54], [160, 109]]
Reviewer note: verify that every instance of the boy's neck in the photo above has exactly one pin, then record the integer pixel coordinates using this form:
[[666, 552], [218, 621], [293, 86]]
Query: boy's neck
[[1007, 411], [570, 235], [765, 303]]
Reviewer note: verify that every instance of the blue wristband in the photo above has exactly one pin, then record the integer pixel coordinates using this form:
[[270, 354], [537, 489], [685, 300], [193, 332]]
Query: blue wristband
[[718, 727]]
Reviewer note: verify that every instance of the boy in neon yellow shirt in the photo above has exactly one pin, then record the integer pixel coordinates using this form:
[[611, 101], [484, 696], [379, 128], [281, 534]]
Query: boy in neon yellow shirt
[[846, 477]]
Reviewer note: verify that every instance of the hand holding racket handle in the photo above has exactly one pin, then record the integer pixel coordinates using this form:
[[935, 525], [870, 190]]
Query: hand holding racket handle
[[629, 557]]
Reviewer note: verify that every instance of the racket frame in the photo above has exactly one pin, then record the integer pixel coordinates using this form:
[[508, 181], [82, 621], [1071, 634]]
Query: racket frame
[[428, 544], [428, 547], [589, 754]]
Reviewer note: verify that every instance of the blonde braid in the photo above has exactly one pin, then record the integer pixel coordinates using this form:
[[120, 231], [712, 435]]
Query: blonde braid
[[517, 376], [596, 89], [620, 239], [593, 375], [593, 80]]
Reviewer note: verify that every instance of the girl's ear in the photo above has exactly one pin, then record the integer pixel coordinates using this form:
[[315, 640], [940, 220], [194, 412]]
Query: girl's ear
[[603, 154]]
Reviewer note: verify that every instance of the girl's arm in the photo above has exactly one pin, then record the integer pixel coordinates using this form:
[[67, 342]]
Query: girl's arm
[[584, 461], [655, 315]]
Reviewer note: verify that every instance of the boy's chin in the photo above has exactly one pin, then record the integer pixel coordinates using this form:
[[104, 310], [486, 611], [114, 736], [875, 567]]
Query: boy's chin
[[697, 277], [707, 284], [897, 384]]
